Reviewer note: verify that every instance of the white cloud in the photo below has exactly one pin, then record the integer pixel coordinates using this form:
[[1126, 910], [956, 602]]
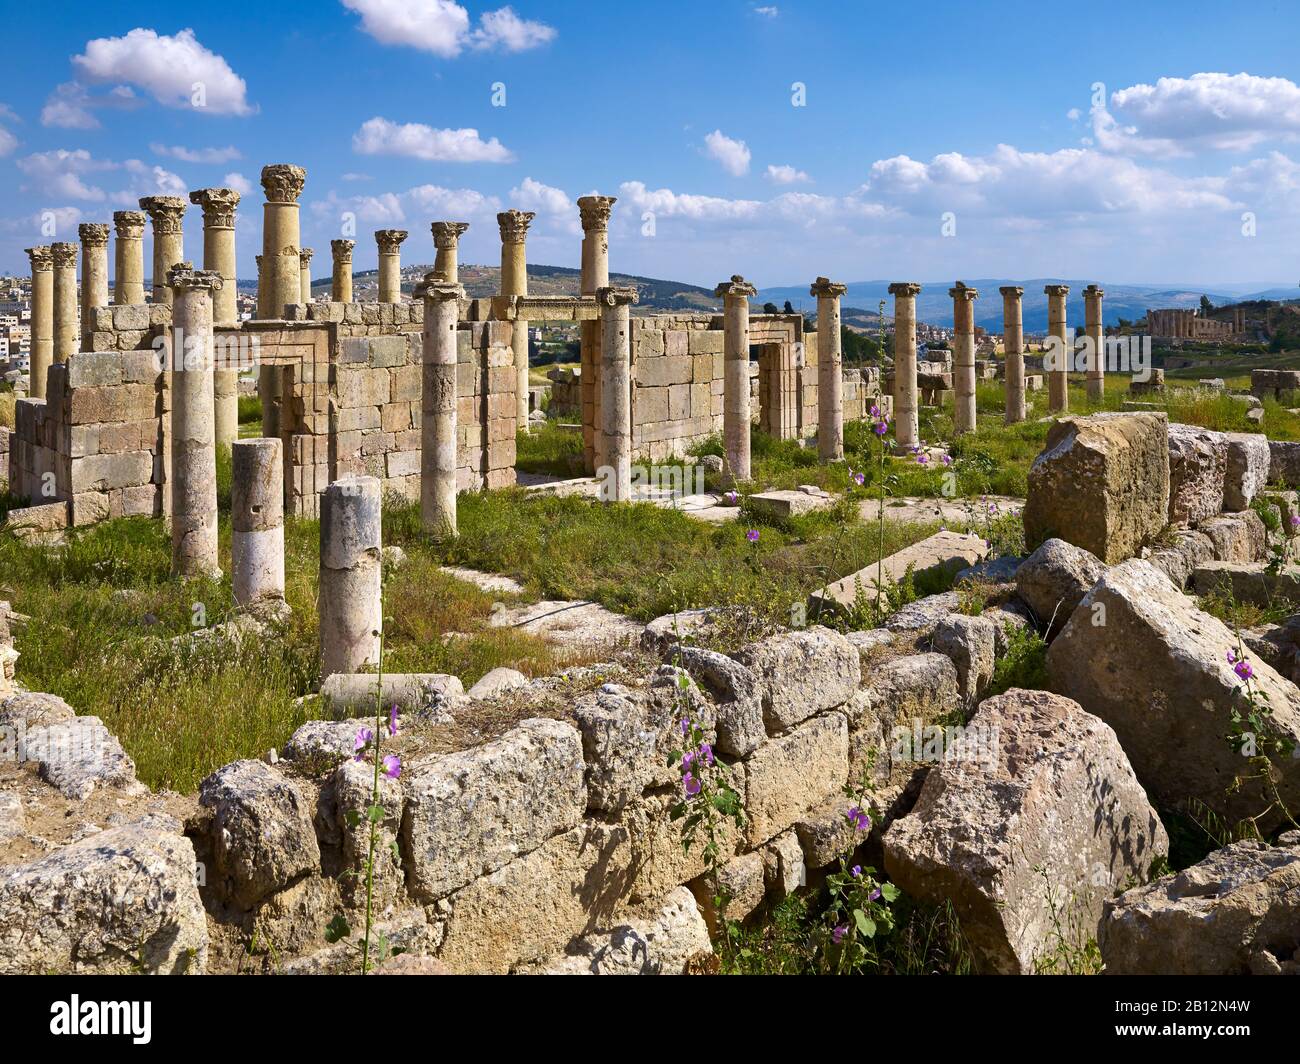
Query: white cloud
[[733, 155], [451, 204], [166, 67], [8, 142], [530, 195], [786, 175], [431, 202], [61, 174], [669, 204], [1073, 114], [197, 155], [239, 183], [767, 12], [443, 27], [350, 176], [379, 136], [147, 180]]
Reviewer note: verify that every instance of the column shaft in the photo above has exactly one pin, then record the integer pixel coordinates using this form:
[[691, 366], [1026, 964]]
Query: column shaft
[[41, 344], [257, 522], [735, 385], [304, 259], [67, 336], [963, 358], [341, 282], [219, 206], [1061, 354], [350, 593], [830, 370], [390, 264], [907, 429], [438, 435], [128, 261], [616, 387], [514, 282], [1092, 327], [167, 214], [94, 276], [1013, 343]]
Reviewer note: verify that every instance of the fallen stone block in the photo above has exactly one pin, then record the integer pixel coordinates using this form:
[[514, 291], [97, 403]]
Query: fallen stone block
[[1284, 462], [786, 777], [971, 643], [1179, 559], [1053, 580], [740, 882], [352, 694], [1239, 537], [79, 755], [1246, 472], [1198, 461], [801, 673], [786, 504], [737, 695], [942, 553], [1253, 583]]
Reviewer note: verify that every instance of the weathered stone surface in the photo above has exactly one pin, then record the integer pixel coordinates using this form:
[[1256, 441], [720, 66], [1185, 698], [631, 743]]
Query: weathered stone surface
[[1284, 462], [736, 692], [672, 628], [1235, 913], [1177, 561], [469, 813], [323, 739], [1157, 672], [1239, 537], [261, 831], [917, 620], [13, 821], [1048, 814], [789, 503], [1053, 580], [826, 834], [1198, 460], [79, 755], [873, 645], [784, 871], [943, 552], [351, 791], [741, 881], [349, 693], [32, 709], [119, 901], [802, 673], [533, 906], [1008, 617], [1254, 583], [659, 940], [1101, 483], [786, 777], [498, 682], [659, 861], [1247, 469], [970, 643]]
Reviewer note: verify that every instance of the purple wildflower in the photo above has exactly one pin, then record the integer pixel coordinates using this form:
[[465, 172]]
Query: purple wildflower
[[392, 721], [706, 753], [880, 428], [392, 766], [752, 535], [947, 459], [686, 726], [1243, 669], [859, 819], [838, 934], [874, 895], [855, 871], [364, 737], [691, 784], [1232, 657], [687, 758], [922, 459], [875, 410], [1295, 521], [859, 479]]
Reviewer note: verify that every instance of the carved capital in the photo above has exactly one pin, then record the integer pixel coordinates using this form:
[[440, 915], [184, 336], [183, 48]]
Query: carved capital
[[129, 224], [283, 182], [218, 206], [390, 240], [620, 295], [165, 212], [1011, 291], [41, 257], [905, 289], [594, 211], [1093, 292], [447, 234], [824, 287], [514, 225], [1057, 289], [342, 250], [93, 234], [184, 275], [259, 262], [304, 256], [434, 289], [65, 255], [736, 287], [963, 291]]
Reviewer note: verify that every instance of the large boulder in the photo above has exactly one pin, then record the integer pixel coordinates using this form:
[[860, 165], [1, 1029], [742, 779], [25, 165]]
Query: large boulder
[[119, 901], [1235, 913], [1198, 460], [737, 694], [1053, 580], [1031, 821], [1138, 654], [802, 673], [1101, 483], [1247, 470]]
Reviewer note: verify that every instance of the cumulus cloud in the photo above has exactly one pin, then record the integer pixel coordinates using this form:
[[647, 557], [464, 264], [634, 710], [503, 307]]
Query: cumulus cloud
[[530, 195], [8, 142], [62, 174], [442, 27], [422, 202], [786, 175], [71, 105], [379, 136], [733, 155], [668, 204], [767, 12], [239, 183], [168, 68], [147, 180], [213, 156]]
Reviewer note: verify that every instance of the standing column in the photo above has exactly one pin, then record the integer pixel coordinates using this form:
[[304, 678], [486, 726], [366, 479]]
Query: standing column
[[66, 336], [438, 451], [1013, 343], [830, 370], [735, 383], [446, 238], [167, 214], [963, 357], [907, 428], [257, 523], [341, 283], [594, 212], [351, 605], [514, 282], [1058, 360], [219, 205], [281, 273], [304, 262], [128, 261], [1092, 327], [94, 276], [41, 345], [193, 431], [390, 264], [616, 391]]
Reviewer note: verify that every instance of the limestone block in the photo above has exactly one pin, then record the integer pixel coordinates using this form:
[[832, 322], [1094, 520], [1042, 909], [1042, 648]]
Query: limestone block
[[801, 673], [1198, 460], [786, 777], [1053, 580], [1247, 469]]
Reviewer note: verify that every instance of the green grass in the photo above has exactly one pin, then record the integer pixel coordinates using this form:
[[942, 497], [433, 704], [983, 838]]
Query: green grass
[[8, 409]]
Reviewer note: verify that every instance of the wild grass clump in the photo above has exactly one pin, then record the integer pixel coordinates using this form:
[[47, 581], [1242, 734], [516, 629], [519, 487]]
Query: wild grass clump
[[8, 409]]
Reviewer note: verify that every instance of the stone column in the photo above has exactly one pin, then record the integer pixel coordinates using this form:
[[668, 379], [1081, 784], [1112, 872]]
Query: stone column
[[304, 260], [66, 334], [94, 276], [193, 430], [41, 344], [281, 273], [128, 262], [351, 606], [1092, 327], [616, 391], [594, 212], [830, 370], [219, 205], [167, 214], [907, 428], [735, 383], [514, 282], [438, 434], [963, 357], [446, 238], [341, 284], [1013, 343], [1058, 379], [257, 523], [390, 264]]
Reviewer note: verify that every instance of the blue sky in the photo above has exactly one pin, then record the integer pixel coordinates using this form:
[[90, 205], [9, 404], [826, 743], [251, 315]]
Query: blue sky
[[1133, 143]]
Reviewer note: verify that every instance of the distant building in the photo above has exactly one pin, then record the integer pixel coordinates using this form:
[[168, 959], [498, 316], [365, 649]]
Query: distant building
[[1179, 324]]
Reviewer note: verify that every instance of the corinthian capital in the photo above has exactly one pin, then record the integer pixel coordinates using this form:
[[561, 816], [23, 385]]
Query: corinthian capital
[[93, 234], [1057, 289], [166, 212], [439, 291], [620, 295], [447, 234], [218, 206], [595, 211], [283, 182], [390, 240], [184, 275], [514, 225], [304, 256], [342, 250], [1011, 291], [42, 258], [905, 289], [129, 224], [65, 255], [737, 286], [824, 287], [1093, 292], [964, 291]]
